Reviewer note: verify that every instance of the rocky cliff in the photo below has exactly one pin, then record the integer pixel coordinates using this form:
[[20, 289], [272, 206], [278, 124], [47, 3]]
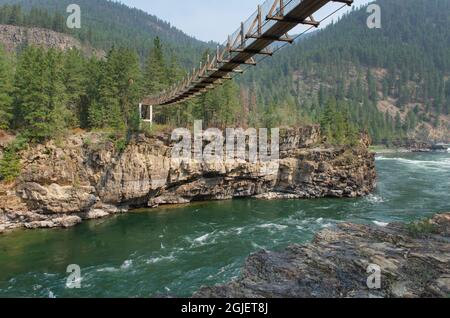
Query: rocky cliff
[[394, 261], [15, 37], [87, 177]]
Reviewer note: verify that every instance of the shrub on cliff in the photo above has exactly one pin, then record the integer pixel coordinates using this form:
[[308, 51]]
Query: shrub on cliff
[[10, 163], [336, 125]]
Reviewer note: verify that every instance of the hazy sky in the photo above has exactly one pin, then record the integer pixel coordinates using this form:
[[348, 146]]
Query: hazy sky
[[207, 19]]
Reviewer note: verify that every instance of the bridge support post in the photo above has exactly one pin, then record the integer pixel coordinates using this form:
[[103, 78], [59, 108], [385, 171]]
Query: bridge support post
[[140, 116], [147, 115], [151, 115]]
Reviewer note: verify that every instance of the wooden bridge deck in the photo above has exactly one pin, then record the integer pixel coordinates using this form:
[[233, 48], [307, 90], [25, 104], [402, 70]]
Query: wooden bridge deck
[[271, 23]]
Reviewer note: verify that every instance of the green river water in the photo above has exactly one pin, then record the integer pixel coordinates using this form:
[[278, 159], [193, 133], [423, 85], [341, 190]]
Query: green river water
[[176, 250]]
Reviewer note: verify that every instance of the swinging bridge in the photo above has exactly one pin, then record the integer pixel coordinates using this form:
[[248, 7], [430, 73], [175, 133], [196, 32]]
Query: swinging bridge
[[259, 35]]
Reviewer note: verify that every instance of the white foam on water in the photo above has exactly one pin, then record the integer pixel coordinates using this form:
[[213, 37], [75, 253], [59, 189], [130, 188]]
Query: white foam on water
[[156, 260], [224, 269], [107, 269], [380, 224], [49, 275], [273, 226], [423, 164], [127, 264], [372, 198], [256, 246], [319, 220], [326, 207], [239, 230], [51, 294], [228, 232], [327, 225], [202, 239]]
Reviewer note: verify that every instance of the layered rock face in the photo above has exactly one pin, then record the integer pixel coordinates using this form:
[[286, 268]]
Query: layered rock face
[[355, 261], [14, 37], [87, 177]]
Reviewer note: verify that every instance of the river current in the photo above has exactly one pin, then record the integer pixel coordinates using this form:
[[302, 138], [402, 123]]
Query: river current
[[176, 250]]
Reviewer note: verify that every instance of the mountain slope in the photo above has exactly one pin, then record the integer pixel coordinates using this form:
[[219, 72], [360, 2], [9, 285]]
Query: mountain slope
[[107, 23], [394, 80], [14, 38]]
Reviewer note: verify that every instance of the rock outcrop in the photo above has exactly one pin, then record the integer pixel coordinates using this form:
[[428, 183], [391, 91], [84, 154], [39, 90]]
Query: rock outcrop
[[16, 37], [89, 178], [411, 260]]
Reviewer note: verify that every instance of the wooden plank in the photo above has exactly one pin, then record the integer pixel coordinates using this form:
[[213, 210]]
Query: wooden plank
[[219, 67]]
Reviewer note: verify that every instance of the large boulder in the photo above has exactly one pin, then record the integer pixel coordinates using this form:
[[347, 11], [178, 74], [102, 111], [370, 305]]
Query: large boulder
[[58, 199], [411, 260]]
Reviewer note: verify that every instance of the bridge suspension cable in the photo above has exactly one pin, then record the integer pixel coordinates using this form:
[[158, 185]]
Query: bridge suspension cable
[[257, 36]]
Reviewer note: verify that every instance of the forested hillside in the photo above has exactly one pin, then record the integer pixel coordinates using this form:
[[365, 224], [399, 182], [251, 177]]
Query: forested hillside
[[392, 81], [104, 24], [47, 94]]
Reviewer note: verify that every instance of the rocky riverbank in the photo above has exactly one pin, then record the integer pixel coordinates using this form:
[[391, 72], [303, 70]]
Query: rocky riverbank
[[89, 176], [413, 261], [409, 145]]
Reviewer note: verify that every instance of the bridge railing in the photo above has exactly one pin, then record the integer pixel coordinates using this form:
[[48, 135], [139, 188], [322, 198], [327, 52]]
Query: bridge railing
[[255, 28], [257, 24], [243, 37]]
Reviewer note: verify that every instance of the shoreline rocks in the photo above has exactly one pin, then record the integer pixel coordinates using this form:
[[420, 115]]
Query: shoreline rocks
[[413, 145], [89, 178], [413, 261], [14, 37]]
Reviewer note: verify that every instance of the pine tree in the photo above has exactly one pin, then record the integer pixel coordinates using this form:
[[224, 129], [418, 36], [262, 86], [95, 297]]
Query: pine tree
[[6, 75], [15, 17], [372, 85], [127, 79], [174, 72], [104, 109], [30, 100], [156, 75], [56, 92], [90, 112], [58, 22], [327, 119], [335, 123], [398, 121], [75, 82], [228, 113], [322, 95], [176, 115], [39, 97]]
